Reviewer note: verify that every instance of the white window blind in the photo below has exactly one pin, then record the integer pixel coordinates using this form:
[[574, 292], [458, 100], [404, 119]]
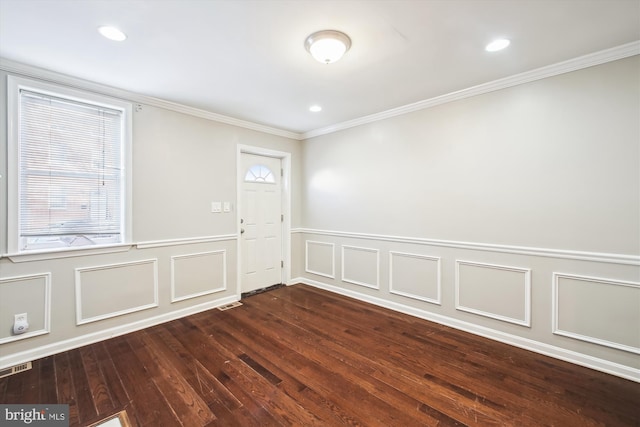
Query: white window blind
[[70, 183]]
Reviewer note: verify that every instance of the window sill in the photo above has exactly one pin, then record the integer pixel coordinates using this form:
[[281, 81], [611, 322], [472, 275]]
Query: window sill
[[66, 253]]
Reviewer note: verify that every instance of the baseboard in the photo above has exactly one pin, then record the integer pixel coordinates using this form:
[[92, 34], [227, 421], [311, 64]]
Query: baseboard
[[70, 344], [601, 365]]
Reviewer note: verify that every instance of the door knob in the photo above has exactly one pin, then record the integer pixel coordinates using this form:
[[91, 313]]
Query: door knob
[[242, 231]]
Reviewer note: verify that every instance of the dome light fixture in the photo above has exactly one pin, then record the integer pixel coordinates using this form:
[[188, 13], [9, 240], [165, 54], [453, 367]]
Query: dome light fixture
[[112, 33], [327, 46]]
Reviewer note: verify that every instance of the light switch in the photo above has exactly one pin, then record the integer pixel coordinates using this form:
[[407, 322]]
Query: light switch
[[226, 206], [216, 207]]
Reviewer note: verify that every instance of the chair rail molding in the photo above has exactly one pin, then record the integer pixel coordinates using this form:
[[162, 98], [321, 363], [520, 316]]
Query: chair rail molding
[[609, 258]]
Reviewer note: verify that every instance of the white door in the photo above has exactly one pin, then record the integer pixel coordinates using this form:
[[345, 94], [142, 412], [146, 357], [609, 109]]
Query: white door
[[261, 222]]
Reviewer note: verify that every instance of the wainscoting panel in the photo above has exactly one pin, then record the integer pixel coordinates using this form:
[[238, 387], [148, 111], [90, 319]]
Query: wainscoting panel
[[361, 266], [320, 258], [112, 290], [600, 311], [470, 286], [198, 274], [415, 276], [29, 294], [494, 291]]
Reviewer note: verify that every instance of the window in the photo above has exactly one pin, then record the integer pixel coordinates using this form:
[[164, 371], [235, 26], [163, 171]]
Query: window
[[69, 157], [260, 173]]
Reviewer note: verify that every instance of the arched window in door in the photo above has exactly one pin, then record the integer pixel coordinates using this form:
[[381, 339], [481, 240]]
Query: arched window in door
[[260, 173]]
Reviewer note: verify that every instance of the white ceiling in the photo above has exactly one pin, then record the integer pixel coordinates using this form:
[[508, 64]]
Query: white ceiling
[[246, 58]]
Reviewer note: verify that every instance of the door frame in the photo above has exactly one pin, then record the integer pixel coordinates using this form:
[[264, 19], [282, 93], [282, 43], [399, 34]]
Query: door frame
[[285, 159]]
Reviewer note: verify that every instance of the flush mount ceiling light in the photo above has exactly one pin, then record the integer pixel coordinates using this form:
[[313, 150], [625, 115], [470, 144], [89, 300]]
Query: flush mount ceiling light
[[327, 46], [497, 45], [315, 108], [112, 33]]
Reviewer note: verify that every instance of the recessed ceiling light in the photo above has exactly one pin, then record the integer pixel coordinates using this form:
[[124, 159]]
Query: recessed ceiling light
[[497, 45], [112, 33], [315, 108]]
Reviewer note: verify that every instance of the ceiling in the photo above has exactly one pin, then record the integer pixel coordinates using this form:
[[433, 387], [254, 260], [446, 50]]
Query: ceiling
[[246, 59]]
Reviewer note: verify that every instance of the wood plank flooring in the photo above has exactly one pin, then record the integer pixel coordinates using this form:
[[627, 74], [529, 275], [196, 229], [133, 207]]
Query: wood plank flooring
[[300, 356]]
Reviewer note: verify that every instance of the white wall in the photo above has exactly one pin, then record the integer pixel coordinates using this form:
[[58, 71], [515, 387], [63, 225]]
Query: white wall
[[181, 163], [514, 215], [533, 165], [501, 192]]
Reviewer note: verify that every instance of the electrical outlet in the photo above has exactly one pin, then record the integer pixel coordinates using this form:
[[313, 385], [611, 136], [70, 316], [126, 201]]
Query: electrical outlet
[[20, 324]]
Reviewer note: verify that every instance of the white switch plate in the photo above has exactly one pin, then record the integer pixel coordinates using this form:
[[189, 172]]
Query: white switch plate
[[216, 207], [227, 206]]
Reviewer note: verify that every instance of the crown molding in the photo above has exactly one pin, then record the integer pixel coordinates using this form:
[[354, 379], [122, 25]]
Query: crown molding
[[590, 60], [25, 70], [585, 61]]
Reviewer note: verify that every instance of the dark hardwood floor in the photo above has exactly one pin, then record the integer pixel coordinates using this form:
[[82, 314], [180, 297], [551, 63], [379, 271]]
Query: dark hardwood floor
[[302, 356]]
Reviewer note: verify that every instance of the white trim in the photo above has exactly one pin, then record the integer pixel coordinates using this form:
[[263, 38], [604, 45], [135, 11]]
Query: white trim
[[68, 253], [527, 293], [437, 300], [47, 306], [198, 294], [14, 86], [592, 59], [72, 343], [518, 250], [285, 162], [333, 259], [556, 311], [77, 83], [356, 282], [601, 365], [78, 282], [589, 60], [85, 251], [185, 241]]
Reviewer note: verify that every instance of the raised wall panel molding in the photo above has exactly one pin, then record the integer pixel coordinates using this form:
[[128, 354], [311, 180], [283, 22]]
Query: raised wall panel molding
[[525, 303], [309, 264], [101, 335], [518, 250], [604, 321], [597, 58], [46, 278], [349, 268], [394, 288], [581, 359], [175, 260], [80, 309], [185, 241]]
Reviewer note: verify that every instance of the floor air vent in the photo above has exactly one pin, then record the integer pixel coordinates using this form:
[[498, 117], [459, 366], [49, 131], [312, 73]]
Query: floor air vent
[[15, 369], [229, 306]]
